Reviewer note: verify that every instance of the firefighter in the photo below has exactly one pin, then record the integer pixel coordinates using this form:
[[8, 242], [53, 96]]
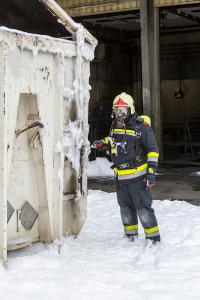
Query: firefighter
[[134, 153]]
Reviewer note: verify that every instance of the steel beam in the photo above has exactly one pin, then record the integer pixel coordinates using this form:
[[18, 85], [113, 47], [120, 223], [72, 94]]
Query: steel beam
[[184, 15], [150, 50]]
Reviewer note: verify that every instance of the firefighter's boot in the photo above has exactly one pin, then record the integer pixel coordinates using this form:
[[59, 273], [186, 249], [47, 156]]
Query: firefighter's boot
[[131, 237], [154, 239]]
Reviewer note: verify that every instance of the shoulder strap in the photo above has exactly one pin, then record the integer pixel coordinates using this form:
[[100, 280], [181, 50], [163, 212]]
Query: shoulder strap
[[138, 133], [139, 122]]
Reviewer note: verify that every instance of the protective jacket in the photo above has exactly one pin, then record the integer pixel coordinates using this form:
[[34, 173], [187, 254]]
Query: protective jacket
[[133, 149]]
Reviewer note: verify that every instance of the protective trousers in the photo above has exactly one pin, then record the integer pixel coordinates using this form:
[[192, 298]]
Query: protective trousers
[[135, 201]]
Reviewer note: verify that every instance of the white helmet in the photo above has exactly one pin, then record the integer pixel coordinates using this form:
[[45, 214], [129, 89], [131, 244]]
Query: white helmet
[[124, 100]]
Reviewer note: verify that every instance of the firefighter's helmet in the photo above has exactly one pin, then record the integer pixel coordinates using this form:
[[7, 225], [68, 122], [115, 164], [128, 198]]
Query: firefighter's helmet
[[124, 100]]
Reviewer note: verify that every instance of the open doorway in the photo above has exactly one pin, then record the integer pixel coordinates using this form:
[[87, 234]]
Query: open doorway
[[117, 68], [113, 69], [180, 92]]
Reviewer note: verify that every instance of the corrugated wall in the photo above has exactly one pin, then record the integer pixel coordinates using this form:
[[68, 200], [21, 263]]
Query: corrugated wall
[[87, 7]]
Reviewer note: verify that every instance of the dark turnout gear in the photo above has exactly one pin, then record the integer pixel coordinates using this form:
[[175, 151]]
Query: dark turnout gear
[[134, 153], [135, 200], [134, 150]]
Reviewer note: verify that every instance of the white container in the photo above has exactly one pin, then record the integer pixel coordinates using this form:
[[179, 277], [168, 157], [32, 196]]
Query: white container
[[42, 169]]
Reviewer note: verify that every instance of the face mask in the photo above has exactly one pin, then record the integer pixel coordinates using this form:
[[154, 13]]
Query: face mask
[[120, 114]]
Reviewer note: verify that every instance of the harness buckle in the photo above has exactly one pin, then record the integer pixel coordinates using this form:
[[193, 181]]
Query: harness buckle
[[124, 166], [138, 134]]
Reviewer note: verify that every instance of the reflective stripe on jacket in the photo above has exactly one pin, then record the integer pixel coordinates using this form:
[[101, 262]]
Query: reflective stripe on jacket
[[134, 149], [131, 173]]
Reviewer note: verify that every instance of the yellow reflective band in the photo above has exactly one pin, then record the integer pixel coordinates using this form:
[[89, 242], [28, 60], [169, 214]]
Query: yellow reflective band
[[122, 130], [131, 227], [150, 230], [130, 171], [153, 154], [113, 149], [105, 140], [151, 170]]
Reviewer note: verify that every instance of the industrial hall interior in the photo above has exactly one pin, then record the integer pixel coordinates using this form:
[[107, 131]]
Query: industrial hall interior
[[100, 149], [150, 50]]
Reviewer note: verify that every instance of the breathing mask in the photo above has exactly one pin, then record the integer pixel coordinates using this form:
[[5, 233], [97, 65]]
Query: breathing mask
[[120, 114]]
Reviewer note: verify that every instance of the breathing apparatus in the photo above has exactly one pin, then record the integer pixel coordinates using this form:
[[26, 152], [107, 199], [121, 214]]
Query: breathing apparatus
[[119, 115]]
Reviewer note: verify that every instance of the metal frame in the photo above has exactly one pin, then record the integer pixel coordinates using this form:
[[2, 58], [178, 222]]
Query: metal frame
[[67, 21]]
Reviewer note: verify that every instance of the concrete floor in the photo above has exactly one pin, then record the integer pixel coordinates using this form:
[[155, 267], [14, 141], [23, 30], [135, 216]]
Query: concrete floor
[[172, 184]]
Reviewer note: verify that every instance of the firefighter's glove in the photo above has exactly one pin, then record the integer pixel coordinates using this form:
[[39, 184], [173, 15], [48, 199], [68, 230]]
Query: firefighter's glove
[[150, 181], [100, 143]]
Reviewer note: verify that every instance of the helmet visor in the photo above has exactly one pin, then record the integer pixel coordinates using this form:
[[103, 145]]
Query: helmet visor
[[122, 109]]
